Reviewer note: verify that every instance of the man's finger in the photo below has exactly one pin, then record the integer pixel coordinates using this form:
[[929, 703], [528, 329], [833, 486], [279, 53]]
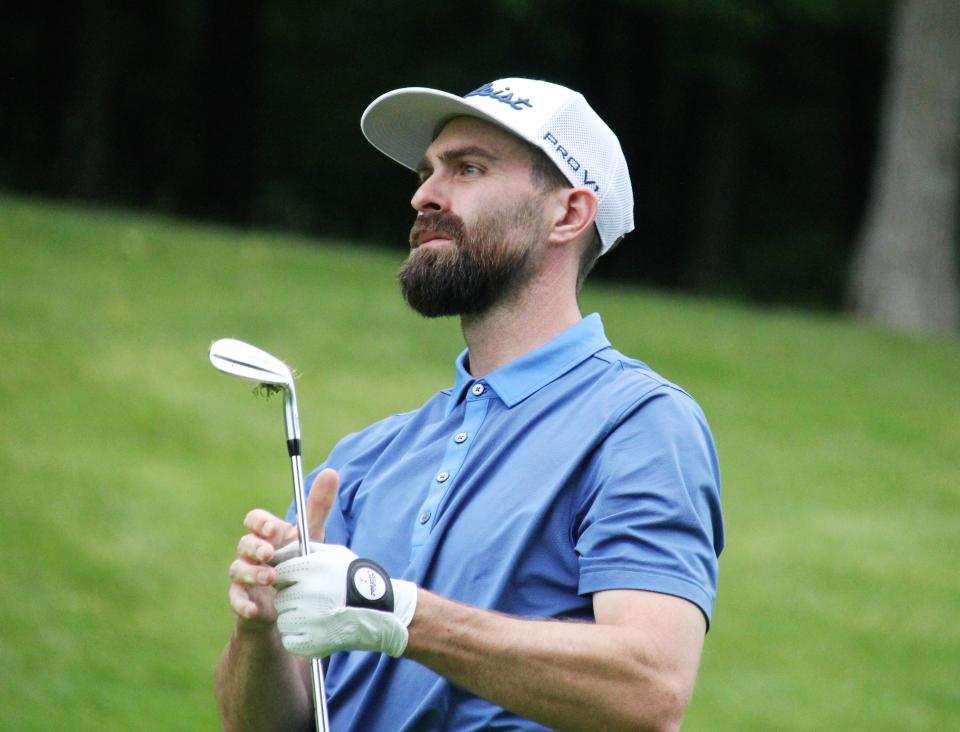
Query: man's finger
[[245, 573], [241, 603], [267, 526], [322, 495], [254, 549], [253, 604]]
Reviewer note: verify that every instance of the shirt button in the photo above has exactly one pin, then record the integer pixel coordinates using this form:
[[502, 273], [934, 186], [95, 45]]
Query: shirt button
[[460, 437], [442, 476], [478, 389], [424, 517]]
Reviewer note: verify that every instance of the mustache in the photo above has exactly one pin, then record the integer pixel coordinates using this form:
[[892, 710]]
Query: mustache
[[441, 222]]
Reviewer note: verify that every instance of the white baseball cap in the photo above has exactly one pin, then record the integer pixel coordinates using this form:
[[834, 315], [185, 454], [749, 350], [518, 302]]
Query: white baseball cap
[[402, 123]]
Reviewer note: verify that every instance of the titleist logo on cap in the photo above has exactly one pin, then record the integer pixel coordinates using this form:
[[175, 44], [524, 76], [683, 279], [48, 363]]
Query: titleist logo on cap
[[504, 95]]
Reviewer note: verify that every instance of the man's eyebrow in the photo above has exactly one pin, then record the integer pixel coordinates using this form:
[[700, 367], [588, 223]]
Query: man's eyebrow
[[456, 153]]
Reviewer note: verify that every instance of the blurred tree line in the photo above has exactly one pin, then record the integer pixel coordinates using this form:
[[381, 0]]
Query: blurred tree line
[[750, 126], [905, 267]]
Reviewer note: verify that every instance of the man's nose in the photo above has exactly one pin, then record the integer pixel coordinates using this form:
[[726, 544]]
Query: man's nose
[[430, 196]]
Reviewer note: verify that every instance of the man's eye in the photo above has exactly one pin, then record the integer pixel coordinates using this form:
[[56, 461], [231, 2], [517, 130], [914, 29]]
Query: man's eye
[[469, 169]]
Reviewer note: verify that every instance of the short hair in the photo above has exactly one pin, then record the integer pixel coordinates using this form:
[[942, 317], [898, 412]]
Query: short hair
[[547, 177]]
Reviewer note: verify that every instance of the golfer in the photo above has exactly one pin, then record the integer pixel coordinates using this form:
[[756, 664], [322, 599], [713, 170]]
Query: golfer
[[536, 546]]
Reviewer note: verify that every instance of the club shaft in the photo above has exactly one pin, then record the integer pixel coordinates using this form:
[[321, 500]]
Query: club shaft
[[292, 420]]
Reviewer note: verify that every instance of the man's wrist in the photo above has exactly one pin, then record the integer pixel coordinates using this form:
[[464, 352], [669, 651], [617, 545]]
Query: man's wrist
[[256, 640], [254, 628], [422, 631]]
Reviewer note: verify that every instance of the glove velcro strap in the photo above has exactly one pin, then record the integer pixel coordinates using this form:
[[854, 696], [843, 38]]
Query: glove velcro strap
[[369, 586]]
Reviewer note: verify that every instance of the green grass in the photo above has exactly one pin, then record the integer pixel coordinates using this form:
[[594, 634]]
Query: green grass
[[127, 464]]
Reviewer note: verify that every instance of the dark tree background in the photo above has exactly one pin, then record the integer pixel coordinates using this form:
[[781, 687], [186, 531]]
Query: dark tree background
[[749, 125]]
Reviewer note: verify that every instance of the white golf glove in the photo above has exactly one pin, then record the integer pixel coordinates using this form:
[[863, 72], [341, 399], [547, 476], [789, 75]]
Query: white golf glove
[[331, 600]]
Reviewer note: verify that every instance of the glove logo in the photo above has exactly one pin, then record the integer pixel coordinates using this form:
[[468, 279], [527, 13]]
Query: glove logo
[[369, 583]]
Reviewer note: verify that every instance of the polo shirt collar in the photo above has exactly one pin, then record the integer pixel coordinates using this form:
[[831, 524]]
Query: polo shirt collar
[[515, 381]]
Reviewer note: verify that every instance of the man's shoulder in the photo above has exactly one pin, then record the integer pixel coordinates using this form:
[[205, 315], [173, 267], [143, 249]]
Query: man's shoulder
[[630, 380]]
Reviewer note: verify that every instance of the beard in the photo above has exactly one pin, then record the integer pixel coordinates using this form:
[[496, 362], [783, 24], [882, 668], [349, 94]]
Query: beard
[[481, 267]]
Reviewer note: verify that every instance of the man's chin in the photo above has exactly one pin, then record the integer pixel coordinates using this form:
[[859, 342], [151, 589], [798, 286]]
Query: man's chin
[[431, 301], [432, 306]]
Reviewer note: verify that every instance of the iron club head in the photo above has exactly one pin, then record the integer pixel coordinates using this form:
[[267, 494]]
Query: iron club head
[[249, 362], [254, 364]]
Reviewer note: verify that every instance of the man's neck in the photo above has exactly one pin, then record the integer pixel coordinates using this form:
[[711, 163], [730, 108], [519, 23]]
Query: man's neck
[[532, 318]]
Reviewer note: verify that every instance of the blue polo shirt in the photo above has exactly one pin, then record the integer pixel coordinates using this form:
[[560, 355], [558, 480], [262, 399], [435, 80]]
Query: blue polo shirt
[[568, 471]]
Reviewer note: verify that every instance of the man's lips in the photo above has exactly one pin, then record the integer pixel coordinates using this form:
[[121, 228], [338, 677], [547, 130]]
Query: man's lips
[[436, 229], [432, 238]]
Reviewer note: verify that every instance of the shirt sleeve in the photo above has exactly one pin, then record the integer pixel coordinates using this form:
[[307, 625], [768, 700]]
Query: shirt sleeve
[[650, 518]]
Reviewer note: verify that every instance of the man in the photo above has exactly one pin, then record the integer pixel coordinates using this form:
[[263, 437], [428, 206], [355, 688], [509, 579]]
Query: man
[[545, 534]]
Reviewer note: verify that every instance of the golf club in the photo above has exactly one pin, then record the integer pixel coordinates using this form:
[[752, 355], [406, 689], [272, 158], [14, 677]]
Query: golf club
[[249, 362]]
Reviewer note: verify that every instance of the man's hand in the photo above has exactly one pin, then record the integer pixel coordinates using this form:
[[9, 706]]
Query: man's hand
[[331, 600], [251, 576], [259, 685]]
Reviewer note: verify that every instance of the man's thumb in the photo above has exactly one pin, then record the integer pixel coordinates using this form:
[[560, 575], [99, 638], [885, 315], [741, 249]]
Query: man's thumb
[[322, 495]]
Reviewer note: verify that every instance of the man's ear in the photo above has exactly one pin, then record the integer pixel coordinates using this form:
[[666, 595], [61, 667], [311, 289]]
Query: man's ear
[[576, 213]]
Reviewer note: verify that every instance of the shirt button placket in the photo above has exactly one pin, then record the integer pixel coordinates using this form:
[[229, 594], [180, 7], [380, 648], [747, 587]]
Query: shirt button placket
[[453, 460]]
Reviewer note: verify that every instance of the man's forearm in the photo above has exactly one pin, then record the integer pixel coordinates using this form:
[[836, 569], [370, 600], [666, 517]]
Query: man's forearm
[[259, 686], [572, 676]]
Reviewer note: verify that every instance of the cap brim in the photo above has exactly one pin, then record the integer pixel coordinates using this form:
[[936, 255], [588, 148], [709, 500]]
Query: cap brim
[[402, 123]]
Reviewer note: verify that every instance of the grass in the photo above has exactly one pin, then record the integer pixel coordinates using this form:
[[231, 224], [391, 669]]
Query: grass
[[127, 464]]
